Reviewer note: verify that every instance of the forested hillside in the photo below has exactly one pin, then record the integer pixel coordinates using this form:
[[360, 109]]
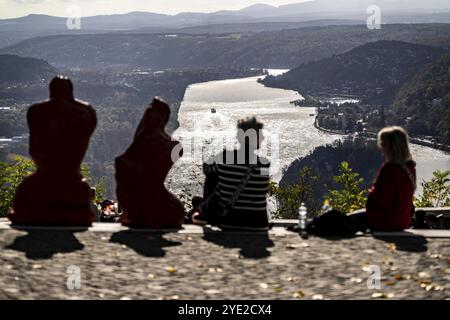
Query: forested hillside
[[374, 72], [277, 49], [18, 69], [423, 104]]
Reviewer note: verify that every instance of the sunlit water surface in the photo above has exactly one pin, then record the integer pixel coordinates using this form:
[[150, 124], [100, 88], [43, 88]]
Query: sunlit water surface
[[289, 130]]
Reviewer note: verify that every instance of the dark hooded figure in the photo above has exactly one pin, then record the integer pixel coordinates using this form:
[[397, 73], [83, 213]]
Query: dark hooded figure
[[142, 170], [60, 129]]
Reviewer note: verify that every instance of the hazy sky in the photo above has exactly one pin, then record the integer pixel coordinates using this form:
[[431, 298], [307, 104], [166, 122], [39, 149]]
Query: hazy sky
[[17, 8]]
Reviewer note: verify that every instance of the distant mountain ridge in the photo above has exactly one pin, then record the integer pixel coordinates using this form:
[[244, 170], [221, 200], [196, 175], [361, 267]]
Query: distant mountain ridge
[[394, 11], [374, 71]]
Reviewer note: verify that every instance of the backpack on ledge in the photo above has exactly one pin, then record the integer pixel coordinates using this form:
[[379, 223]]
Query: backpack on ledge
[[333, 224]]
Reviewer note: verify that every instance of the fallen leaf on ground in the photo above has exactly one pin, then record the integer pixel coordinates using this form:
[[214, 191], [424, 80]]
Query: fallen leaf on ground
[[423, 283], [264, 285], [304, 245], [393, 268], [356, 280], [11, 290], [212, 291], [388, 261], [37, 266], [298, 294], [379, 295], [317, 297], [392, 247], [366, 268], [171, 270], [291, 279], [279, 289], [400, 277], [423, 275], [151, 276]]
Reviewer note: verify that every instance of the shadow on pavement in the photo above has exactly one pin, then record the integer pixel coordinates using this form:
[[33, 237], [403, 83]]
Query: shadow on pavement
[[251, 245], [43, 244], [149, 244], [408, 244]]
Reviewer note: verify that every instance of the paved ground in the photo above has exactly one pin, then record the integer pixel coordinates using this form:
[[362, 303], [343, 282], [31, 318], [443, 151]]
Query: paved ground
[[119, 264]]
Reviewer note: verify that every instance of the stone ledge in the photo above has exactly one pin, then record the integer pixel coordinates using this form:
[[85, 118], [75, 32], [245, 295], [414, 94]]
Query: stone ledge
[[279, 228]]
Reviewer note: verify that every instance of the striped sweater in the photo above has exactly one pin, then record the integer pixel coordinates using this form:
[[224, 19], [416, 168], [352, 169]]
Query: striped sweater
[[224, 174]]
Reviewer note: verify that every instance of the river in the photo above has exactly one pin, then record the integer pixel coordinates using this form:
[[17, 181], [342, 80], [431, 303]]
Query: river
[[289, 130]]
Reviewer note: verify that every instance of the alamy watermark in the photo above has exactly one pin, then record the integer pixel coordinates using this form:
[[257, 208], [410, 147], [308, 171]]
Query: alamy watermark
[[374, 280], [73, 17], [74, 277], [374, 19]]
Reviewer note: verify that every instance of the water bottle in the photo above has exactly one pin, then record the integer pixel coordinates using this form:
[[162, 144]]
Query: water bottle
[[302, 214], [326, 206]]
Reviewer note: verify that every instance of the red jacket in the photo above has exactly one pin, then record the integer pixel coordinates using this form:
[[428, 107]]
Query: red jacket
[[390, 202]]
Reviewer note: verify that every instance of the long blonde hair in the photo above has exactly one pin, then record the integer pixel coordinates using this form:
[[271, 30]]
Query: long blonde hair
[[394, 142]]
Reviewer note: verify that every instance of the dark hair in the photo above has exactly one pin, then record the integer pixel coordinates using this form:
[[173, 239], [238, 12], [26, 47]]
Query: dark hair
[[196, 201], [250, 123], [61, 88], [106, 203]]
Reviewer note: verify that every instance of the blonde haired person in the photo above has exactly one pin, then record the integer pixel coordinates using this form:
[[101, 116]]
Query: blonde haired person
[[390, 202]]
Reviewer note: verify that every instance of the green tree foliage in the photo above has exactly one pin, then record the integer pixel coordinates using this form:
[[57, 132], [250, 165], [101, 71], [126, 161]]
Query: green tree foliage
[[290, 197], [11, 176], [436, 192], [350, 196], [99, 186], [362, 155]]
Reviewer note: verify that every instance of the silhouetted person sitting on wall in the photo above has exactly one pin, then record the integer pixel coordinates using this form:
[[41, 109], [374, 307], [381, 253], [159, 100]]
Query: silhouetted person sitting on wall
[[390, 201], [237, 183], [60, 129], [141, 171]]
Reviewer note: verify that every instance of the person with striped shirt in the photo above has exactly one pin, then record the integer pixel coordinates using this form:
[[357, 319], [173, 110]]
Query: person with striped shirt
[[237, 183]]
